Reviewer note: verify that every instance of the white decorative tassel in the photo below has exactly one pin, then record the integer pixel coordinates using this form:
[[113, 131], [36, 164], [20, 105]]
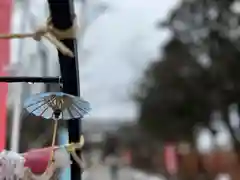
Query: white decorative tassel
[[12, 165]]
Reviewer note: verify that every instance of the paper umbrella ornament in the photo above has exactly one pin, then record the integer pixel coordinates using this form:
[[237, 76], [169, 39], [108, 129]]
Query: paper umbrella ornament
[[57, 105]]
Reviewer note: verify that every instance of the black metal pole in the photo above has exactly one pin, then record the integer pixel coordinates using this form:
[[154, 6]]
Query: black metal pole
[[62, 15], [27, 79]]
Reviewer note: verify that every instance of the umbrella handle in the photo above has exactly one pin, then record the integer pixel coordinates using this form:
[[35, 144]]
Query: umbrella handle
[[54, 139]]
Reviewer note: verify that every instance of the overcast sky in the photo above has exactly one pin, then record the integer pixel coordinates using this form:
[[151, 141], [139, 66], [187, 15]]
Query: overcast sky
[[117, 48], [119, 45]]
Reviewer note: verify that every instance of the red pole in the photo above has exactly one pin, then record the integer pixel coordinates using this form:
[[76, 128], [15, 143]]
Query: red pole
[[5, 20]]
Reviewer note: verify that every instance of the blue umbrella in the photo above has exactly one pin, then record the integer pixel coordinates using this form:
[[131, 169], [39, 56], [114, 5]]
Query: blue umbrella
[[57, 105]]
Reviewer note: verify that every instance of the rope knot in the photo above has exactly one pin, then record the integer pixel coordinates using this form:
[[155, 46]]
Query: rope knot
[[39, 33], [52, 34]]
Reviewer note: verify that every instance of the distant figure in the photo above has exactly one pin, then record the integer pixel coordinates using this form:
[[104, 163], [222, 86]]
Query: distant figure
[[110, 155]]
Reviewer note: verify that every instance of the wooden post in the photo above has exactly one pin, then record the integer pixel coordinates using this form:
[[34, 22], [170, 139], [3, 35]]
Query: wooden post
[[62, 15]]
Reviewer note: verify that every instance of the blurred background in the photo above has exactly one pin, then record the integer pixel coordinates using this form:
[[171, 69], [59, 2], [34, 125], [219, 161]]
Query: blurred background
[[162, 78]]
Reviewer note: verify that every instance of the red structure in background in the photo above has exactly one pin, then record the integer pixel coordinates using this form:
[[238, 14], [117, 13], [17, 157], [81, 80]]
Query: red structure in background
[[214, 163], [5, 27], [127, 157], [170, 159]]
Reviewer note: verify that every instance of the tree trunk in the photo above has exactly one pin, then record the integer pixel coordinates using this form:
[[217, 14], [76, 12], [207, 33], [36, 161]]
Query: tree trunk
[[236, 143]]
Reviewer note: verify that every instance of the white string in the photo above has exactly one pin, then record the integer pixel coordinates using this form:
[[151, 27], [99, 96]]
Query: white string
[[78, 160]]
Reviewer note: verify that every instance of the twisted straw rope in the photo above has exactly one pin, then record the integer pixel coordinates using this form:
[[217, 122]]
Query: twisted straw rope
[[51, 33]]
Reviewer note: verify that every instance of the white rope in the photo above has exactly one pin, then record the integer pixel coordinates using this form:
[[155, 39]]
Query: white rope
[[78, 160]]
